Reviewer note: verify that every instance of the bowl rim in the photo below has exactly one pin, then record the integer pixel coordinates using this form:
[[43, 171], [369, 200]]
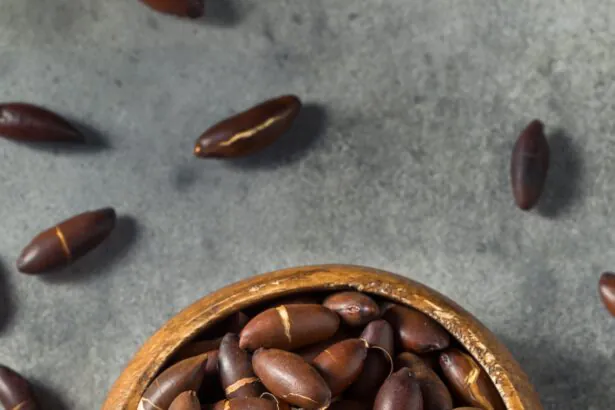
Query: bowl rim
[[511, 382]]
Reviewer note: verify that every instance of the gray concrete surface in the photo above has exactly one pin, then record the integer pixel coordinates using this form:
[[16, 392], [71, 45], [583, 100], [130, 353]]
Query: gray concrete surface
[[399, 161]]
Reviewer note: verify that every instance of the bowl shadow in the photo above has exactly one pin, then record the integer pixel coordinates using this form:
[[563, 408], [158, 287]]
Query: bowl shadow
[[307, 129], [47, 397], [125, 235], [8, 306]]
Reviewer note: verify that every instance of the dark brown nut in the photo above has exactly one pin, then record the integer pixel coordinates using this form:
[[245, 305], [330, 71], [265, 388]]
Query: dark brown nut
[[26, 122], [380, 333], [182, 8], [355, 308], [529, 165], [416, 331], [607, 291], [469, 381], [235, 367], [246, 403], [341, 364], [15, 391], [401, 391], [186, 401], [435, 393], [376, 369], [197, 348], [291, 378], [184, 376], [309, 353], [289, 327], [349, 405], [250, 131], [467, 408], [66, 242]]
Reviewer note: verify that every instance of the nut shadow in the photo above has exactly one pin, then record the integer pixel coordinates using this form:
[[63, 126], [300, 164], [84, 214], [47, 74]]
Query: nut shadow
[[295, 144], [7, 301], [47, 397], [111, 251], [563, 187], [223, 13]]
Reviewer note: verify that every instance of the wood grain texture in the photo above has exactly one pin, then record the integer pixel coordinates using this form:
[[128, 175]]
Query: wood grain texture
[[511, 382]]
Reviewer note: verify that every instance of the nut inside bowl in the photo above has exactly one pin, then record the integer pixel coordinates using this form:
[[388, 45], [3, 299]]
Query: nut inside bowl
[[510, 381]]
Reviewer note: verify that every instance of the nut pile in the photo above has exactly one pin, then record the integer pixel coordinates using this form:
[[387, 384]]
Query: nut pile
[[350, 351]]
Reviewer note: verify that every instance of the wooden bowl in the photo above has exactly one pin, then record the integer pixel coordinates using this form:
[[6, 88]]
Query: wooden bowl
[[505, 372]]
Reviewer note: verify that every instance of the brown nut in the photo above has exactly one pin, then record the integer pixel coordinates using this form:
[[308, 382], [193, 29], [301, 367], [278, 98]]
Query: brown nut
[[250, 131], [186, 401], [380, 333], [184, 376], [349, 405], [607, 291], [529, 165], [401, 391], [289, 327], [246, 403], [435, 393], [15, 391], [197, 348], [309, 353], [376, 368], [355, 308], [416, 331], [66, 242], [181, 8], [26, 122], [341, 364], [469, 381], [235, 367], [291, 378]]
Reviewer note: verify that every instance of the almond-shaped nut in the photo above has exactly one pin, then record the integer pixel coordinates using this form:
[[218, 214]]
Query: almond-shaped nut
[[235, 367], [309, 353], [416, 331], [186, 375], [529, 165], [15, 391], [435, 393], [181, 8], [249, 131], [30, 123], [469, 381], [67, 241], [187, 400], [289, 327], [291, 378], [379, 333], [607, 291], [341, 364], [197, 348], [246, 403], [401, 391], [355, 308], [376, 369]]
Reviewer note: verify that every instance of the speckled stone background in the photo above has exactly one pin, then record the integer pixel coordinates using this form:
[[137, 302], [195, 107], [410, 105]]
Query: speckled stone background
[[398, 161]]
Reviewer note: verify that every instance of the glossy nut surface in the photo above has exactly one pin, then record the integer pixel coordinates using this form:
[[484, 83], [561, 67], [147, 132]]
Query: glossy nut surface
[[607, 291], [376, 369], [289, 327], [380, 333], [341, 364], [186, 401], [235, 367], [66, 242], [355, 308], [400, 391], [529, 165], [435, 393], [416, 331], [469, 381], [29, 123], [15, 391], [291, 378], [186, 375], [181, 8], [250, 131]]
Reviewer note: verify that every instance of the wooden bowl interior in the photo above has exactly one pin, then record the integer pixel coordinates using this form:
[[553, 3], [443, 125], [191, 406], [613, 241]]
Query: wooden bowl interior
[[511, 382]]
